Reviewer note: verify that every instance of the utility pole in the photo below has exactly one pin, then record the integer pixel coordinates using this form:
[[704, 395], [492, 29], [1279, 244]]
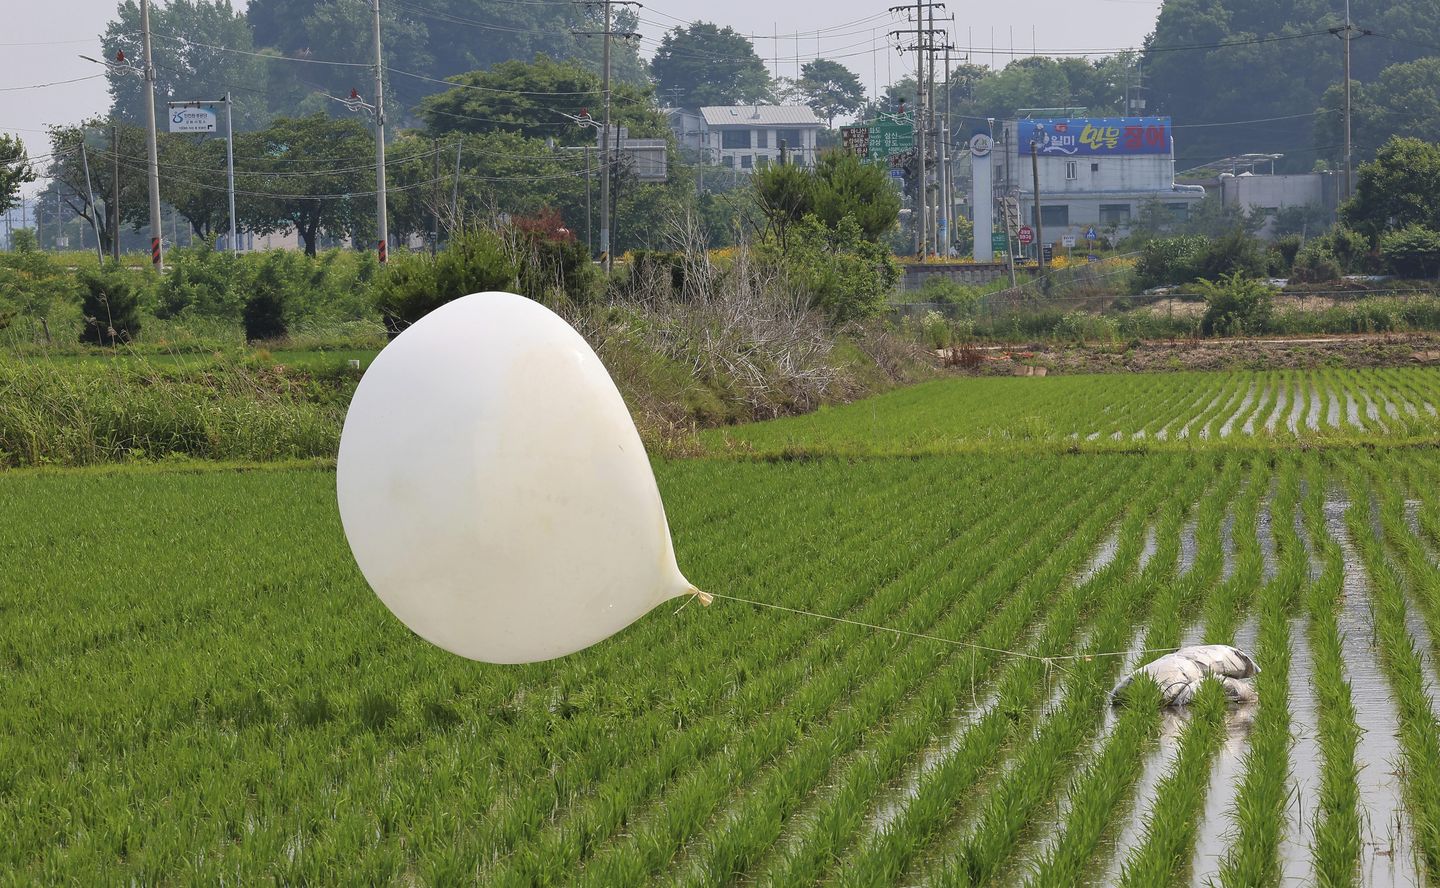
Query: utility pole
[[606, 165], [230, 169], [381, 224], [1039, 228], [434, 195], [89, 198], [114, 191], [156, 260], [607, 159], [924, 42], [1344, 33]]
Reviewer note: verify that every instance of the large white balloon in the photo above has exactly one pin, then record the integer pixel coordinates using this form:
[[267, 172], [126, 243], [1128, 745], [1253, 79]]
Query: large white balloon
[[494, 489]]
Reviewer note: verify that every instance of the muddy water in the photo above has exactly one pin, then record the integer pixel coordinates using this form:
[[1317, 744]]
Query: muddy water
[[1234, 417], [1147, 552], [1305, 761], [1282, 398], [1297, 409], [1266, 536], [1189, 546], [1217, 825], [1102, 557], [1312, 419], [1185, 429], [1332, 418], [1158, 761], [1372, 412], [1352, 411], [1388, 855], [1249, 427]]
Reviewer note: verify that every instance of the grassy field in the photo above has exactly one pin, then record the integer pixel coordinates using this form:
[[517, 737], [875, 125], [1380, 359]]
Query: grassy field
[[199, 687]]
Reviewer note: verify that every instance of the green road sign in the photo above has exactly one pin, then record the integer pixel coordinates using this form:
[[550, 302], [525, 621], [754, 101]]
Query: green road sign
[[888, 138], [997, 242]]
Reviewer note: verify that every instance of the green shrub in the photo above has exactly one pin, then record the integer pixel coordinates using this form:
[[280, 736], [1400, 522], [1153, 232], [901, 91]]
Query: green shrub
[[1412, 251], [265, 309], [1084, 326], [843, 274], [1350, 248], [202, 281], [944, 291], [1315, 263], [1236, 305], [556, 267], [1168, 260], [414, 284], [110, 306], [1236, 253], [935, 330], [1281, 256]]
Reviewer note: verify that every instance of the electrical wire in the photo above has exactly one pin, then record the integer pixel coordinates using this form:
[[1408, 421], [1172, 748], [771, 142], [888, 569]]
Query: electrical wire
[[51, 83]]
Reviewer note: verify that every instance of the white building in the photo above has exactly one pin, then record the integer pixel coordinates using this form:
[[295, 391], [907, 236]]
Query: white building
[[747, 137], [1093, 172], [1266, 195]]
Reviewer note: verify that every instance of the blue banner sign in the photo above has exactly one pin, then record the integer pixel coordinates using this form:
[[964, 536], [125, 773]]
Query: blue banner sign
[[1080, 136]]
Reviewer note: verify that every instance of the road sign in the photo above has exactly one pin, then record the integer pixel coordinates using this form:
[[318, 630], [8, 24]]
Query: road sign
[[998, 242], [887, 138], [1090, 233], [1027, 234], [856, 140], [1067, 241], [1092, 258], [192, 119]]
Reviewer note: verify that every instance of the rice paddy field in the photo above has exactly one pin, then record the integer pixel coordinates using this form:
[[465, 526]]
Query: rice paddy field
[[198, 687]]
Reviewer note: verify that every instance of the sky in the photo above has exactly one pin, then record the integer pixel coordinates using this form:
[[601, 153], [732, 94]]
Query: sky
[[41, 42]]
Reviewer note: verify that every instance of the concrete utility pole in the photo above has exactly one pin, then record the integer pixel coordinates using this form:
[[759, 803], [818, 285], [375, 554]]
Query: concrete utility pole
[[114, 209], [606, 162], [230, 169], [1039, 228], [608, 154], [924, 42], [156, 261], [381, 223], [1344, 33]]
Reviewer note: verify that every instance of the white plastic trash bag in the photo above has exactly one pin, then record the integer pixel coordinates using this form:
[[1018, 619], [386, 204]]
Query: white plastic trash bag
[[1180, 674]]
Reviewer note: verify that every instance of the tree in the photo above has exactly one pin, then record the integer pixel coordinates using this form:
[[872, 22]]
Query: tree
[[1400, 187], [14, 170], [845, 187], [311, 174], [184, 69], [706, 65], [94, 203], [109, 305], [532, 99], [1403, 101], [785, 194], [831, 89]]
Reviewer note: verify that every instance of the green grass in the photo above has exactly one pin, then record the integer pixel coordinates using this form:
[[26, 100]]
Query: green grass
[[199, 686]]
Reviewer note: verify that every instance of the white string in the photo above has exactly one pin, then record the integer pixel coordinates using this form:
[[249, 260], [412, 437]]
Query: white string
[[1047, 660]]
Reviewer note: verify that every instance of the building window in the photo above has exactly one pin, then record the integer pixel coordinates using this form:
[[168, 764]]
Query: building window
[[762, 138], [1114, 214], [737, 138], [1178, 211], [794, 140], [1094, 167], [1052, 216], [1072, 170], [729, 161], [1269, 211], [746, 161], [762, 161]]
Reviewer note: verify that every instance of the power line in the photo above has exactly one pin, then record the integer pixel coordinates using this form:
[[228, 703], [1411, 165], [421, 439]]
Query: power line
[[51, 83]]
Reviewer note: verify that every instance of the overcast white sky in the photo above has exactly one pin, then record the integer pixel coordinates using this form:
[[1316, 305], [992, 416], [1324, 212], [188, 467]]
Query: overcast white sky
[[40, 42]]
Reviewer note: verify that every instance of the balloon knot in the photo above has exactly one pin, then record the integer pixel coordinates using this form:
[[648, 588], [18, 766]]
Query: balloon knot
[[705, 598]]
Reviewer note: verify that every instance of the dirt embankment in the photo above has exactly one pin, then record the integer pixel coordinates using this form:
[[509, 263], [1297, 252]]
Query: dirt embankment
[[1364, 350]]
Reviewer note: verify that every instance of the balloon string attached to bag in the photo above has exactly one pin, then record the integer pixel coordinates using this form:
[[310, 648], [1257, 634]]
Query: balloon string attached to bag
[[703, 596]]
